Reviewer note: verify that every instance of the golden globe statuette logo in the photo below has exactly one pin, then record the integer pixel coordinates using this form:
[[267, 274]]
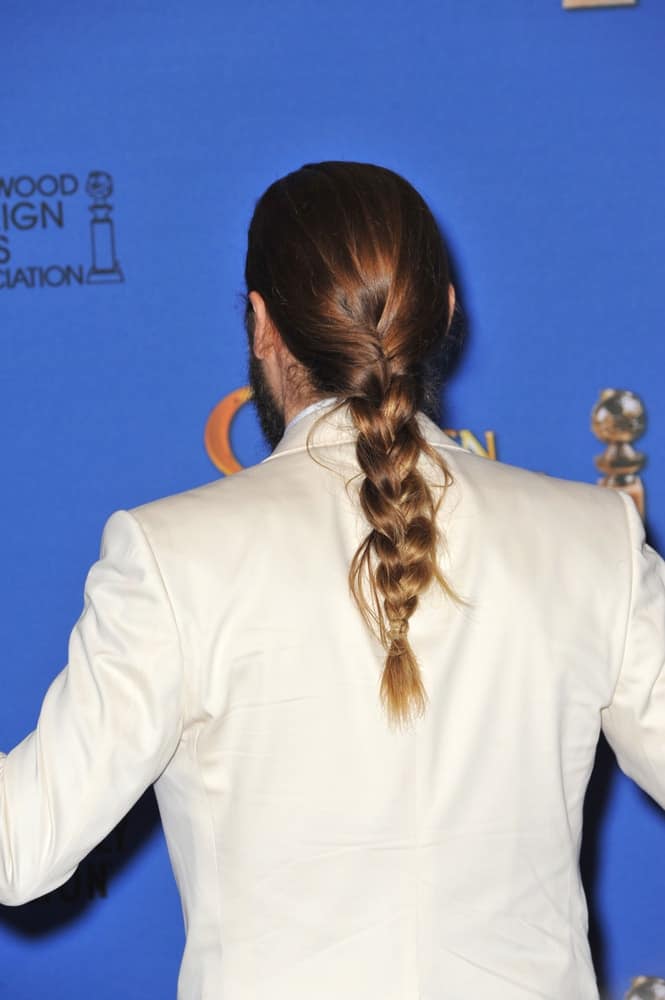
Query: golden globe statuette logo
[[105, 267], [618, 418], [217, 433]]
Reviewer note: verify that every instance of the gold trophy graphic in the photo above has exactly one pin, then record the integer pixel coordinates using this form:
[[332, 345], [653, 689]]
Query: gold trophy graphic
[[618, 419]]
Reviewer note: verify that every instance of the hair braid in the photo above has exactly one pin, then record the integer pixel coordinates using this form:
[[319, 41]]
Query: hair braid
[[354, 273], [399, 555]]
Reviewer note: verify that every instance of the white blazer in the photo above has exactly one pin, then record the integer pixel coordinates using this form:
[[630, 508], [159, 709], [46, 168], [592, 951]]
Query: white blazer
[[320, 854]]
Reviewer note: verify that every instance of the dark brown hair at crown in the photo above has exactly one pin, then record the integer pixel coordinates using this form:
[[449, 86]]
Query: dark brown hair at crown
[[354, 273]]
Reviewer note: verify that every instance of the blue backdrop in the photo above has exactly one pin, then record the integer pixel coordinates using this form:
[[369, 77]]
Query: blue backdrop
[[536, 134]]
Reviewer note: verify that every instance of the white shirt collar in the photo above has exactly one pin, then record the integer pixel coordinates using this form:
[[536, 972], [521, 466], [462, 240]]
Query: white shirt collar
[[318, 405]]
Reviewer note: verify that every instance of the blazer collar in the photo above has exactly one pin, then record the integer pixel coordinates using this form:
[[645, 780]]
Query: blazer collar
[[336, 428]]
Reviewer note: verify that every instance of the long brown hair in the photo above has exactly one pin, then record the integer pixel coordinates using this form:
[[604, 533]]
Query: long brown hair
[[354, 273]]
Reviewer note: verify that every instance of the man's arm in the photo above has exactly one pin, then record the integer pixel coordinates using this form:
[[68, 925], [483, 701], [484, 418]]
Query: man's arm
[[109, 723], [634, 721]]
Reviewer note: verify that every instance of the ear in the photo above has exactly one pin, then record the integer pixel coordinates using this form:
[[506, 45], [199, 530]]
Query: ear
[[263, 329], [451, 300]]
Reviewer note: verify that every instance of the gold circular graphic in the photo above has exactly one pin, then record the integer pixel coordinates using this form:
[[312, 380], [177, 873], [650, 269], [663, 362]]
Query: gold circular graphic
[[217, 434]]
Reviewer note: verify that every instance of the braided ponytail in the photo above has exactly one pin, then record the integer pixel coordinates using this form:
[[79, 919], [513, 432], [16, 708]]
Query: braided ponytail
[[354, 273], [398, 558]]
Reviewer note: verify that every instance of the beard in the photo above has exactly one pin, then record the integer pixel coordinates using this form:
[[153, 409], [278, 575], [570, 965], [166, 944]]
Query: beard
[[271, 418]]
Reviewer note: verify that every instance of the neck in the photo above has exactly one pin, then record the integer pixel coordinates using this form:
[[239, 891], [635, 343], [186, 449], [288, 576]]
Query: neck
[[292, 407]]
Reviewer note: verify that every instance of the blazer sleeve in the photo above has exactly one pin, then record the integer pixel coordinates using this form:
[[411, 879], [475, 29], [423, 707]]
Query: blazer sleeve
[[634, 721], [109, 723]]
